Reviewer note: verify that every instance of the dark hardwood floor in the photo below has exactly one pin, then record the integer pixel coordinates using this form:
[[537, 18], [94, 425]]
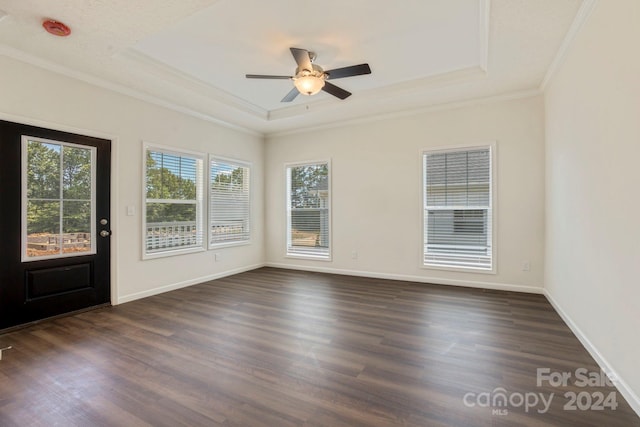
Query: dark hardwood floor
[[282, 348]]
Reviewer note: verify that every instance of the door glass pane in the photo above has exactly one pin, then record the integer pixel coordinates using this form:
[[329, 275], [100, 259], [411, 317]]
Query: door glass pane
[[76, 224], [59, 205], [43, 228], [76, 173], [43, 171]]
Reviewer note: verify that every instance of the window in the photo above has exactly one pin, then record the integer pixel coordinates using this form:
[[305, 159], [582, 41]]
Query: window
[[458, 208], [308, 210], [173, 202], [228, 202], [58, 206]]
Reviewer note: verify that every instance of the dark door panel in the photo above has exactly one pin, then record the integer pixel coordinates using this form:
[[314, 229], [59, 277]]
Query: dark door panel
[[44, 282], [76, 273]]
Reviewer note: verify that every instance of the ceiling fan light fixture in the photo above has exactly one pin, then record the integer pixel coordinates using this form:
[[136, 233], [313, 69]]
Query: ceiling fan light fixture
[[309, 82], [308, 85], [309, 78]]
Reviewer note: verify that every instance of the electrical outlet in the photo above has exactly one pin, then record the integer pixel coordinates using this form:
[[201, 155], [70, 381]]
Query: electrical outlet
[[354, 254], [217, 257], [526, 266], [3, 349]]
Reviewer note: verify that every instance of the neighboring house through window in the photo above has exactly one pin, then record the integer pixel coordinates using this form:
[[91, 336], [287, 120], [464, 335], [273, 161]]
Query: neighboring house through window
[[308, 210], [457, 192], [173, 214]]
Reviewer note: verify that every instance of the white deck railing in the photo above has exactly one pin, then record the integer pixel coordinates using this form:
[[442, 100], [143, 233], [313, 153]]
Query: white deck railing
[[163, 235]]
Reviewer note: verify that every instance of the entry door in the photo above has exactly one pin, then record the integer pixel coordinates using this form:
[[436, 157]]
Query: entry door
[[54, 222]]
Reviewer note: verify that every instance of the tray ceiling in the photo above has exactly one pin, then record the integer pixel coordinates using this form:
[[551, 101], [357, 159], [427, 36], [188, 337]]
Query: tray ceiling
[[192, 55]]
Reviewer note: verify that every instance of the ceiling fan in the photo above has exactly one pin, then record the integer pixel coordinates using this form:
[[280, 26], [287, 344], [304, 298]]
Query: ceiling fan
[[310, 78]]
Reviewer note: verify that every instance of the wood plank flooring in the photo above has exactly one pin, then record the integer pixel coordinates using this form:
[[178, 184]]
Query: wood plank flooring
[[282, 348]]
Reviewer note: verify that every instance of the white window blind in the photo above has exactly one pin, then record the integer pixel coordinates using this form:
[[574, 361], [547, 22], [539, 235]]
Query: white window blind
[[173, 201], [228, 202], [458, 208], [308, 210]]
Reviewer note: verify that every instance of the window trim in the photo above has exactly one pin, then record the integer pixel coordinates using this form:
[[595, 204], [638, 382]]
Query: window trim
[[314, 257], [199, 197], [235, 162], [493, 150]]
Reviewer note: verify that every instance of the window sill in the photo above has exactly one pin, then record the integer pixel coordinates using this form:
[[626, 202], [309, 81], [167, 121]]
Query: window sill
[[308, 257], [229, 244], [474, 270], [175, 252]]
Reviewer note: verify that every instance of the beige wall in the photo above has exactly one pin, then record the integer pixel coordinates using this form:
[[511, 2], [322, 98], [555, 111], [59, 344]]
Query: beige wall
[[593, 188], [575, 223], [35, 96], [376, 191], [588, 209]]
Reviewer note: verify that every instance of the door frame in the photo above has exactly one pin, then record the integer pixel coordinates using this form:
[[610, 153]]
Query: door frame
[[114, 205]]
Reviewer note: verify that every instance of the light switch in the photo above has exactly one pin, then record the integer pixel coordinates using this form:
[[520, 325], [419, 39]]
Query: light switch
[[131, 210]]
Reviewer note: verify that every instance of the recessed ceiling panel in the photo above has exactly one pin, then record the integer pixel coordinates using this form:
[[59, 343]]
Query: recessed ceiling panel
[[402, 42]]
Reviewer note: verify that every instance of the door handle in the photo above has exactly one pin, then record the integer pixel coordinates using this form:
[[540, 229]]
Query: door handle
[[105, 233]]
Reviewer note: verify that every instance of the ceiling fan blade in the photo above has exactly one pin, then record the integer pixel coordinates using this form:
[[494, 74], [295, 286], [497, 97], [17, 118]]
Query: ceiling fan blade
[[335, 90], [262, 76], [302, 58], [354, 70], [291, 95]]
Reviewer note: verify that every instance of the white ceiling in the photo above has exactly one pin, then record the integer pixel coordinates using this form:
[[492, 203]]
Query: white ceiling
[[192, 55]]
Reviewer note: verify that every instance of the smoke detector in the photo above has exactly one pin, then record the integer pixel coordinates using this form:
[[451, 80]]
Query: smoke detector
[[56, 28]]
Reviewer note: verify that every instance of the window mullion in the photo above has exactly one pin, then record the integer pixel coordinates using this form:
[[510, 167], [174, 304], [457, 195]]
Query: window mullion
[[61, 196]]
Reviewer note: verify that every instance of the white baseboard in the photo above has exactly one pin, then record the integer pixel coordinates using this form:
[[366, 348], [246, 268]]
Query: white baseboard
[[630, 396], [411, 278], [184, 284]]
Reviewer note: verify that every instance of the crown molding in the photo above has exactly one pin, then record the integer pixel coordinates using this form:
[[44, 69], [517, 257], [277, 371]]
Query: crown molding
[[509, 96], [118, 88], [582, 16], [445, 78], [186, 82], [442, 79], [263, 119], [189, 82], [370, 96]]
